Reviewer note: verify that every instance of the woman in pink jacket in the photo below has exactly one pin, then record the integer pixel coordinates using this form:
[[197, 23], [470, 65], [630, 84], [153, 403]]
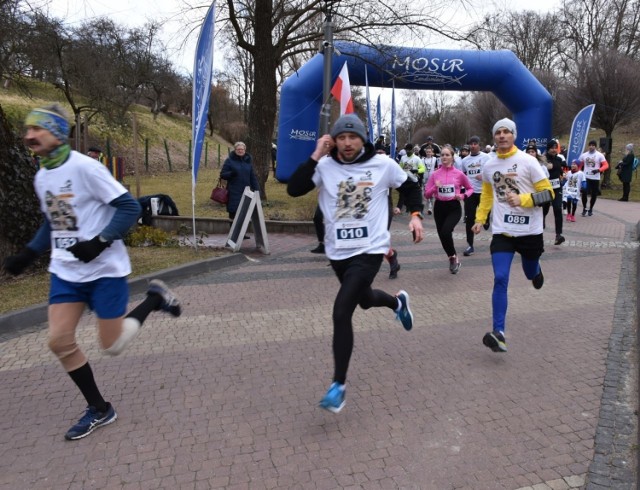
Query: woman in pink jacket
[[450, 186]]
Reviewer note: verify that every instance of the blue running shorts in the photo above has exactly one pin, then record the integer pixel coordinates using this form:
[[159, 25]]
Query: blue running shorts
[[107, 297]]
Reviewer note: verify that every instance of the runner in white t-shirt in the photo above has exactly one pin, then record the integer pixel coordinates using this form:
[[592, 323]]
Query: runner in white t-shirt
[[511, 181], [593, 165], [86, 215], [472, 167], [431, 163], [353, 184]]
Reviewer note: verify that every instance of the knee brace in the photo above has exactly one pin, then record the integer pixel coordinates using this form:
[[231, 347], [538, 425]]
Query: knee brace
[[63, 345], [130, 329]]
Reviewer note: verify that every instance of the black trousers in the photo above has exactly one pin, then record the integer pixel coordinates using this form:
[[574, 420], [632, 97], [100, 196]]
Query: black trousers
[[471, 204], [356, 274], [557, 209], [447, 214]]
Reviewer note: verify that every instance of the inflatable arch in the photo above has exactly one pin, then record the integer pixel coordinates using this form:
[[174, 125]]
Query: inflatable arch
[[500, 72]]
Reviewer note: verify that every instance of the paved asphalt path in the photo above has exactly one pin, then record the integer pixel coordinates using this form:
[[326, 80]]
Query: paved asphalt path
[[226, 395]]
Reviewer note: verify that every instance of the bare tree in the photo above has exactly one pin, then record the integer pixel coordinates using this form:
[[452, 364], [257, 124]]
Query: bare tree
[[453, 129], [536, 39], [602, 24], [485, 110], [15, 25], [610, 80], [275, 32]]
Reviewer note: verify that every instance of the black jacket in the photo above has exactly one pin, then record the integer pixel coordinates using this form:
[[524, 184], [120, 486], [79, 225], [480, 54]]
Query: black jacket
[[238, 172]]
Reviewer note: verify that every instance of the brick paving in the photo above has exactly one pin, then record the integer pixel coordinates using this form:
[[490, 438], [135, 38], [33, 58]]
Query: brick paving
[[226, 395]]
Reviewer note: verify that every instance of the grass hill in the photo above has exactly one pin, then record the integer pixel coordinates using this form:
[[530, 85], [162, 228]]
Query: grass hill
[[163, 157]]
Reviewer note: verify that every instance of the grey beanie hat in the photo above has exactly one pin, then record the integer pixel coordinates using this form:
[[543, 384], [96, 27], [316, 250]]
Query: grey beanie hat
[[629, 147], [506, 123], [349, 123]]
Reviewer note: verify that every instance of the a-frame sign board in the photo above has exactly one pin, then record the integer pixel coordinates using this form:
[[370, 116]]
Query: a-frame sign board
[[249, 210]]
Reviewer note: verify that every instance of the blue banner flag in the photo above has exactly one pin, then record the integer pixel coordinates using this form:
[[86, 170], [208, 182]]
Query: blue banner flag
[[369, 120], [579, 133], [379, 117], [393, 121], [202, 77]]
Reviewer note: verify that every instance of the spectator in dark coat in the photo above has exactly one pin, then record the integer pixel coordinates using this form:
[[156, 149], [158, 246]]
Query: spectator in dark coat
[[626, 173], [238, 172]]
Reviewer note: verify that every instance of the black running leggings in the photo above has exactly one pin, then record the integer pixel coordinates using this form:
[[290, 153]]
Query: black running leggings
[[593, 188], [356, 274], [447, 214], [471, 204]]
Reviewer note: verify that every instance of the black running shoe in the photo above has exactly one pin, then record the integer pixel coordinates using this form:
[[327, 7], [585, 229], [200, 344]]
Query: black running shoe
[[559, 240], [538, 281], [318, 250], [495, 341]]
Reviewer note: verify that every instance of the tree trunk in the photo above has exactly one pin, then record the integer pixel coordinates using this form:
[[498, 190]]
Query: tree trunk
[[262, 108], [606, 180]]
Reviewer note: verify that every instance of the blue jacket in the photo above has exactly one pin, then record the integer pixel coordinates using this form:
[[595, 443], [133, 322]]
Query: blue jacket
[[238, 172]]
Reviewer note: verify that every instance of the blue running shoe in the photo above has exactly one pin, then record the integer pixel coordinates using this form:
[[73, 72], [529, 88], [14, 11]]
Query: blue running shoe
[[334, 399], [404, 313], [170, 302], [90, 421]]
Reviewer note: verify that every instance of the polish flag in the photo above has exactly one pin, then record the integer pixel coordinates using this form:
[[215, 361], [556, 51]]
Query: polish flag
[[342, 91]]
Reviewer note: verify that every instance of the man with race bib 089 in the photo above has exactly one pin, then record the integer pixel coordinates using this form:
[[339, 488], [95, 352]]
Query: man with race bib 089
[[513, 187]]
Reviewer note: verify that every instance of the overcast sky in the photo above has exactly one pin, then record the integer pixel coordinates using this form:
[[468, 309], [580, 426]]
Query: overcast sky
[[135, 13]]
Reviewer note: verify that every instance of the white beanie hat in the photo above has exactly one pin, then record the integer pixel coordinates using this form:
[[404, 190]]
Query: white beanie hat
[[506, 123], [629, 147]]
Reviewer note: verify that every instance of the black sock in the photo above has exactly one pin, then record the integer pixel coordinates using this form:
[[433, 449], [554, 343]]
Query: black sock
[[151, 303], [83, 378]]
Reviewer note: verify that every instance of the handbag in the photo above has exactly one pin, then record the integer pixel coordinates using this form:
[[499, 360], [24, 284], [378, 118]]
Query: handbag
[[220, 193]]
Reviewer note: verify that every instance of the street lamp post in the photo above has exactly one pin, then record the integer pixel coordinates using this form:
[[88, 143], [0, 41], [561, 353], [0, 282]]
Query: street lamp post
[[327, 51]]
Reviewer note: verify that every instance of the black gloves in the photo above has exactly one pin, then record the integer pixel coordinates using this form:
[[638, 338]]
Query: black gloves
[[87, 251], [15, 264]]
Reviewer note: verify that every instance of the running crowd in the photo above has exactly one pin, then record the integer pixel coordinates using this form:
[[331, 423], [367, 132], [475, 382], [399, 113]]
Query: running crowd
[[87, 213]]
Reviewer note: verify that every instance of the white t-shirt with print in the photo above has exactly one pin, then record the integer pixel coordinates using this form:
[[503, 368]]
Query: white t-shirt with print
[[430, 165], [518, 174], [410, 165], [591, 164], [354, 201], [472, 166], [75, 198], [573, 184]]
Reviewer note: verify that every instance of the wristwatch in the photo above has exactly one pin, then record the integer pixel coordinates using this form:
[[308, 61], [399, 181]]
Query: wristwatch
[[418, 214]]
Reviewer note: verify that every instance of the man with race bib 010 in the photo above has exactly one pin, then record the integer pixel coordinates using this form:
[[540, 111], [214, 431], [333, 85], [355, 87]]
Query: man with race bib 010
[[514, 187], [353, 187]]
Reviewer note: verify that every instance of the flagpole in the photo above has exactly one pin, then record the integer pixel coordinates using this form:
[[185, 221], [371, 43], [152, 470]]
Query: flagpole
[[327, 51]]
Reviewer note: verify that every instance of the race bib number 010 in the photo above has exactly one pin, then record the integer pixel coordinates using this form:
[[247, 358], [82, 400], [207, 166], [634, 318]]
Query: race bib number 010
[[352, 235]]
